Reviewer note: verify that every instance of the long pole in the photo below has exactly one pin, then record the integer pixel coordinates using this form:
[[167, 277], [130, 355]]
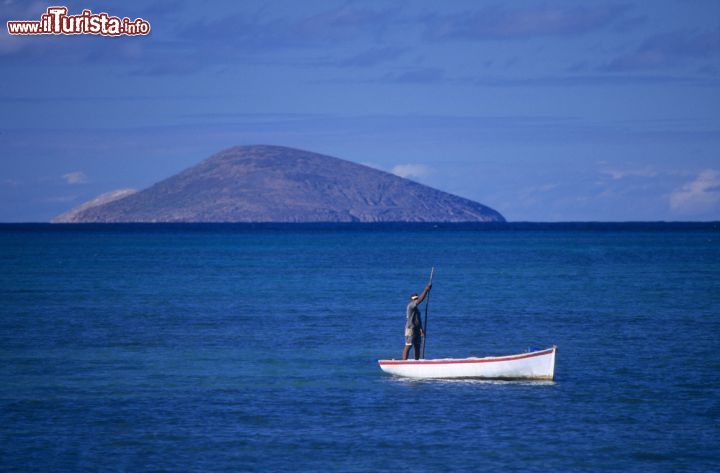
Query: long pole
[[427, 304]]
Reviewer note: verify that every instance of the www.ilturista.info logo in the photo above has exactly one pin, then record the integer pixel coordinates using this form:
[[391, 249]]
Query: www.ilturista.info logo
[[56, 21]]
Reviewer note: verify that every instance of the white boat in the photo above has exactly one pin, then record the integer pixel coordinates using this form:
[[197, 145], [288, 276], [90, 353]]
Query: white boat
[[533, 365]]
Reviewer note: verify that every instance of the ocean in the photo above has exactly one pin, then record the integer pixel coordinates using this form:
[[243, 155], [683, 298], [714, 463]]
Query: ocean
[[254, 347]]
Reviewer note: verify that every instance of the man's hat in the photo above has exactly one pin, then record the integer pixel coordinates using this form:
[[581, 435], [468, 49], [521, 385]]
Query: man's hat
[[414, 296]]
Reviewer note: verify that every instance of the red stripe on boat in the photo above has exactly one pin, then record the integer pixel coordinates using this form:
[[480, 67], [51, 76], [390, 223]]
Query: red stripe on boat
[[467, 360]]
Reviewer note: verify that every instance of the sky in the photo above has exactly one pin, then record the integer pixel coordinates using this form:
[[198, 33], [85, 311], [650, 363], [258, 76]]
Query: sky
[[542, 110]]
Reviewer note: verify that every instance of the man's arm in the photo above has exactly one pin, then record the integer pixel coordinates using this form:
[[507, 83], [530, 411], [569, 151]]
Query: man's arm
[[424, 293]]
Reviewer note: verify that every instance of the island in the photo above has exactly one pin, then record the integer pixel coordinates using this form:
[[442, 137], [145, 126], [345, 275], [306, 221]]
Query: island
[[263, 183]]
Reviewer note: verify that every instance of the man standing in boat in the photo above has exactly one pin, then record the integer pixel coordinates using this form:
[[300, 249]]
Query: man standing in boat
[[413, 324]]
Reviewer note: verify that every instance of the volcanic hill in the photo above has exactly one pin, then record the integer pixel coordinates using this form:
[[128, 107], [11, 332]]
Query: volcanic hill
[[277, 184]]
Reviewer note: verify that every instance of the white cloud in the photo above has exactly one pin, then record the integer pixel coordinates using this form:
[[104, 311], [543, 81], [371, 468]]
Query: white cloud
[[623, 173], [61, 199], [371, 165], [542, 188], [698, 196], [76, 177], [411, 170], [10, 182]]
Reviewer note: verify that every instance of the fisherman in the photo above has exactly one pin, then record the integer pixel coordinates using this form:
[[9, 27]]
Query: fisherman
[[413, 324]]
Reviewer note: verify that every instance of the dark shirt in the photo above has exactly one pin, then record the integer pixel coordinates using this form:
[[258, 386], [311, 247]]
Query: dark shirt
[[413, 322]]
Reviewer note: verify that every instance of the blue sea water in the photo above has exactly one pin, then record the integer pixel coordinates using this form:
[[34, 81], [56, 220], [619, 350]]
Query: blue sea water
[[254, 347]]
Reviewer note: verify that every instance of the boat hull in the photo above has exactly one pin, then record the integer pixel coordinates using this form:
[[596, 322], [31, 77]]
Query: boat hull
[[535, 365]]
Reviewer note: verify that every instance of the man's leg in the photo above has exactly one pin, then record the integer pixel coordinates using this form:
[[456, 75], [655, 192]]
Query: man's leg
[[406, 351], [416, 347]]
